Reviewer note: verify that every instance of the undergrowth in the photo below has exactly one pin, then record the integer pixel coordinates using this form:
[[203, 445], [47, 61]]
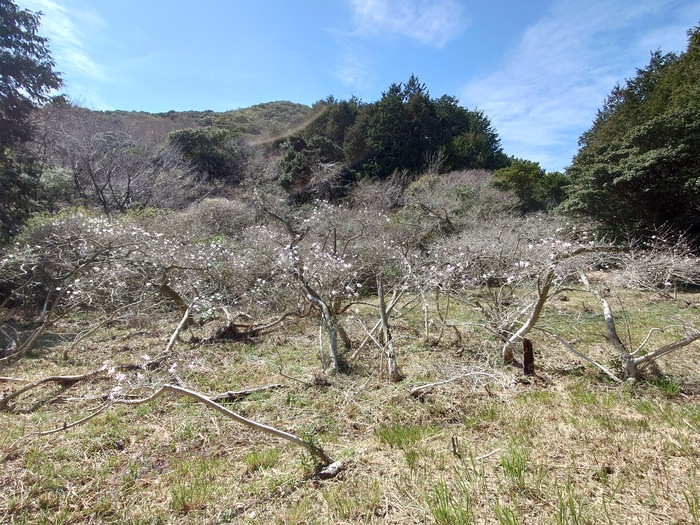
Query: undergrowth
[[568, 446]]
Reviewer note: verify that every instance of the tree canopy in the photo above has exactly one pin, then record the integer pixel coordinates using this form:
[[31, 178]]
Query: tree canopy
[[207, 149], [536, 189], [26, 80], [26, 71], [404, 130], [638, 168]]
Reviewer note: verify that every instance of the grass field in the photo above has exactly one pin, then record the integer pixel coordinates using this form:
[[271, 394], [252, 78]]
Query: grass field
[[568, 446]]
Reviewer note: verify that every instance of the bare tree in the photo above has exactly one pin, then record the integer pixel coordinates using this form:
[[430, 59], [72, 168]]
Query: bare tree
[[663, 265], [634, 360], [115, 162]]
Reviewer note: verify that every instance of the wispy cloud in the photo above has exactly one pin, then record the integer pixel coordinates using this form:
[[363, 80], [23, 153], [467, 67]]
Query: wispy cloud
[[352, 71], [430, 22], [548, 91], [64, 29]]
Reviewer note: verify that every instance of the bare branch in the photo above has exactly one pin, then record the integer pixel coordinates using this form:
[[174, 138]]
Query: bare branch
[[240, 394], [580, 355], [65, 426], [209, 402], [310, 447], [176, 333], [667, 349], [420, 391], [64, 381]]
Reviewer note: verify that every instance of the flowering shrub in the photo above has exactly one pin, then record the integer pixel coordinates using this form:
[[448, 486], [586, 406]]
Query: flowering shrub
[[512, 260], [105, 264], [660, 264], [231, 260]]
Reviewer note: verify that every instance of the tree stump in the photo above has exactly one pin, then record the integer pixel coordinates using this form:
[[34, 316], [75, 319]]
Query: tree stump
[[528, 358]]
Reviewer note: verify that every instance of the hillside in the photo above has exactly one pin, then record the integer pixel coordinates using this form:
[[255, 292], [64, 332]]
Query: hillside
[[271, 119]]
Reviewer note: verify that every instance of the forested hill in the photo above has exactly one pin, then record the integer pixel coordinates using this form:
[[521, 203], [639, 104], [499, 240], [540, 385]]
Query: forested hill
[[119, 160], [268, 119], [634, 175]]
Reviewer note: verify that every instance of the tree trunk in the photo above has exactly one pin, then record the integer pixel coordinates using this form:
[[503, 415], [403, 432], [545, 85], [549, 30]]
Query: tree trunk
[[544, 285], [628, 362], [394, 374], [331, 323]]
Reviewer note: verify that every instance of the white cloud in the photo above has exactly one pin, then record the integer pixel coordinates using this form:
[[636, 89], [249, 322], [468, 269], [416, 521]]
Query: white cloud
[[352, 71], [431, 22], [64, 29], [548, 92]]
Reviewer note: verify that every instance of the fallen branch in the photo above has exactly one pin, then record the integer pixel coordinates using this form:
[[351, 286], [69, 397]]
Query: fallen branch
[[480, 458], [420, 391], [68, 381], [237, 331], [12, 380], [63, 381], [309, 447], [582, 356], [65, 426], [329, 468], [240, 394]]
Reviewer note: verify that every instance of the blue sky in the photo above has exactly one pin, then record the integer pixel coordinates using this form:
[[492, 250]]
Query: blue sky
[[539, 69]]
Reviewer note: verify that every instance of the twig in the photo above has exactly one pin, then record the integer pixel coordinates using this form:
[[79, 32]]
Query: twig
[[488, 455], [13, 380], [64, 381], [68, 381], [109, 319], [394, 301], [307, 383], [65, 426]]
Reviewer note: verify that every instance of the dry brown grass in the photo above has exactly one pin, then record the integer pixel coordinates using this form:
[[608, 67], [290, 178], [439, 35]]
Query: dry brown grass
[[568, 446]]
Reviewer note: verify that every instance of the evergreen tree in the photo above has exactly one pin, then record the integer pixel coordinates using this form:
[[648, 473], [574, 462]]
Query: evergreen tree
[[638, 169], [26, 80], [536, 189], [403, 130]]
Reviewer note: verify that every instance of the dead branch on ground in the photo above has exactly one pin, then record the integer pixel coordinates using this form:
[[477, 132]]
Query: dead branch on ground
[[420, 391], [330, 467]]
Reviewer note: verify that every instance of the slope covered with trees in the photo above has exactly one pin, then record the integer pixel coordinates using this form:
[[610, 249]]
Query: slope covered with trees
[[638, 169], [404, 131]]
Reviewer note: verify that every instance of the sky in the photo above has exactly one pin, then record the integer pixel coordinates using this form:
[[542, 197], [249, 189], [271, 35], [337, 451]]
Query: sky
[[538, 69]]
